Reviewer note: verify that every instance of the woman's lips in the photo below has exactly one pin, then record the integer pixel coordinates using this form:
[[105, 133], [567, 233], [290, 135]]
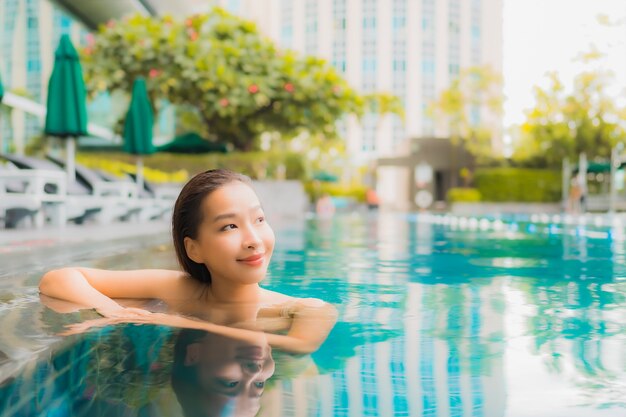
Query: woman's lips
[[254, 260]]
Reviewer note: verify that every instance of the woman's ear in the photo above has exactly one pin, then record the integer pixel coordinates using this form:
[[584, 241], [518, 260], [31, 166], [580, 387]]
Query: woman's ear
[[192, 356], [193, 250]]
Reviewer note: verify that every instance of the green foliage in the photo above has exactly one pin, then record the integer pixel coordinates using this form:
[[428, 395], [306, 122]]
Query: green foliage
[[257, 165], [315, 189], [476, 89], [564, 125], [120, 168], [237, 81], [384, 103], [518, 184], [457, 195]]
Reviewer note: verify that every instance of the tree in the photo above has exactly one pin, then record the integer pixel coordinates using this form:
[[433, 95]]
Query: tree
[[458, 108], [564, 125], [384, 103], [237, 81]]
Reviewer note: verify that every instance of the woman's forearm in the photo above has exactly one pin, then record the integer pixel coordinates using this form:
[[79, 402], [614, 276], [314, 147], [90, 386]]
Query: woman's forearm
[[69, 284]]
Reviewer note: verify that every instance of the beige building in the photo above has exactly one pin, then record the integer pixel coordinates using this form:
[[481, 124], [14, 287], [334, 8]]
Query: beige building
[[411, 48]]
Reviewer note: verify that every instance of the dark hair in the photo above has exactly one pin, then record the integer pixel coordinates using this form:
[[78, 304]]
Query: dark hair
[[187, 215]]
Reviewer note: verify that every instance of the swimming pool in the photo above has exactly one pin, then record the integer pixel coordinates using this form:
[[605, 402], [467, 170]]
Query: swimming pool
[[435, 320]]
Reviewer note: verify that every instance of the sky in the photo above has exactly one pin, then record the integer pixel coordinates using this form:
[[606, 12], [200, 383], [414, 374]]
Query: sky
[[541, 36]]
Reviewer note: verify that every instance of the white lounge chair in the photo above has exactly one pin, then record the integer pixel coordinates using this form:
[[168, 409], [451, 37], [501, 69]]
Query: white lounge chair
[[81, 205], [32, 193], [118, 197], [156, 202]]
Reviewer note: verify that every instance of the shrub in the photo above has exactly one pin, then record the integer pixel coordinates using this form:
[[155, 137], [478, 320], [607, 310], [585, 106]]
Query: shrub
[[518, 184], [315, 189], [457, 195], [257, 165], [120, 168]]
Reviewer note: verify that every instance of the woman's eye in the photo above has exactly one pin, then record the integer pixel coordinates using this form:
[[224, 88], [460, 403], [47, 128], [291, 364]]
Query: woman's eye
[[229, 384], [229, 227], [260, 219], [259, 384]]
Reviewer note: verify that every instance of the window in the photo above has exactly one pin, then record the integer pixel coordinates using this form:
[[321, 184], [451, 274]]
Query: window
[[428, 67]]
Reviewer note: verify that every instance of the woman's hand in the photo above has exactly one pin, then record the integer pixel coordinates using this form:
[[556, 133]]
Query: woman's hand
[[110, 317], [123, 312]]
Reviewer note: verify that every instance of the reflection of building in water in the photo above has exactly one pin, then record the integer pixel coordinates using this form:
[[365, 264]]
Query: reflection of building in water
[[440, 367]]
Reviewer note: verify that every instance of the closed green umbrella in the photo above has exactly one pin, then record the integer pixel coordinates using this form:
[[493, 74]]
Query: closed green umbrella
[[325, 177], [66, 115], [138, 127], [192, 143]]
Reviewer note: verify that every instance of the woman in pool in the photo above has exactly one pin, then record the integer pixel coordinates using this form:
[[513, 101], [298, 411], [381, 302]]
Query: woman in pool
[[223, 245]]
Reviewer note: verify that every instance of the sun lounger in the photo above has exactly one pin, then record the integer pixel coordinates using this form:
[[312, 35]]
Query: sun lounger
[[34, 194], [157, 202], [81, 205], [118, 196]]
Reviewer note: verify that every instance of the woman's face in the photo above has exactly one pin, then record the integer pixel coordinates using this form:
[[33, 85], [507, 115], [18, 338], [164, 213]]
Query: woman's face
[[234, 240], [232, 374]]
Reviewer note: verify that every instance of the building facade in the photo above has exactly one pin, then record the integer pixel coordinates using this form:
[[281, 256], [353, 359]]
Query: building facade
[[411, 48], [29, 34]]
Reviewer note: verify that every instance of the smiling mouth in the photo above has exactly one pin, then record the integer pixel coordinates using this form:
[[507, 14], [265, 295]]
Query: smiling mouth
[[253, 260]]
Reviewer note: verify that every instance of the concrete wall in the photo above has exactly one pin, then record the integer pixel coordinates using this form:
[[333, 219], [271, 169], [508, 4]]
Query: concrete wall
[[494, 209], [282, 199]]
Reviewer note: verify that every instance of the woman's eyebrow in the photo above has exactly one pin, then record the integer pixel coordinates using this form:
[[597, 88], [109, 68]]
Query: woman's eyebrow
[[224, 216], [231, 215]]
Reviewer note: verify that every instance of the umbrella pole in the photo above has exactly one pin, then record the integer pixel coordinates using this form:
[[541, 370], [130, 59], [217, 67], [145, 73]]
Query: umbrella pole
[[70, 154], [139, 175]]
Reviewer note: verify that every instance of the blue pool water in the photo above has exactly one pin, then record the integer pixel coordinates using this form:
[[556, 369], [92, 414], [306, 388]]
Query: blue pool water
[[434, 321]]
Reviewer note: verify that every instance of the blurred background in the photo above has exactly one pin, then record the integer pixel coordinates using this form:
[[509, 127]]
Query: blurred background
[[427, 103]]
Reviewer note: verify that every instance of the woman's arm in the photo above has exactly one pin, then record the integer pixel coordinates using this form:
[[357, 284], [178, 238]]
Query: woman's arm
[[313, 319], [96, 288]]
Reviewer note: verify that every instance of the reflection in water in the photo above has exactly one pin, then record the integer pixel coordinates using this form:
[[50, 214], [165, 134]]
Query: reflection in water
[[213, 375], [129, 370], [433, 322]]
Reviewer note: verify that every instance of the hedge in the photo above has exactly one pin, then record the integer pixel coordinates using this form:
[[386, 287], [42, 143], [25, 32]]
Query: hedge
[[463, 195], [257, 165], [315, 189], [518, 184]]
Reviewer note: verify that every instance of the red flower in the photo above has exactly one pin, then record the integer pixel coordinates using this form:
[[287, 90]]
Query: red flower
[[111, 23], [289, 88], [153, 73], [188, 22], [90, 39], [336, 89], [224, 102], [88, 51], [193, 35], [253, 89]]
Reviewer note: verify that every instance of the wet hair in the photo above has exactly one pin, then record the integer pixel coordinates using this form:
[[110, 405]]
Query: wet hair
[[187, 215]]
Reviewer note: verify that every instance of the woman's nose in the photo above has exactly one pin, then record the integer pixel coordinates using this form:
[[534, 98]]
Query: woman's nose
[[252, 239]]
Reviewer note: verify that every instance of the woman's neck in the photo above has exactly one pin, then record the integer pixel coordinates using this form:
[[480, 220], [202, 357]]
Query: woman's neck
[[229, 293]]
